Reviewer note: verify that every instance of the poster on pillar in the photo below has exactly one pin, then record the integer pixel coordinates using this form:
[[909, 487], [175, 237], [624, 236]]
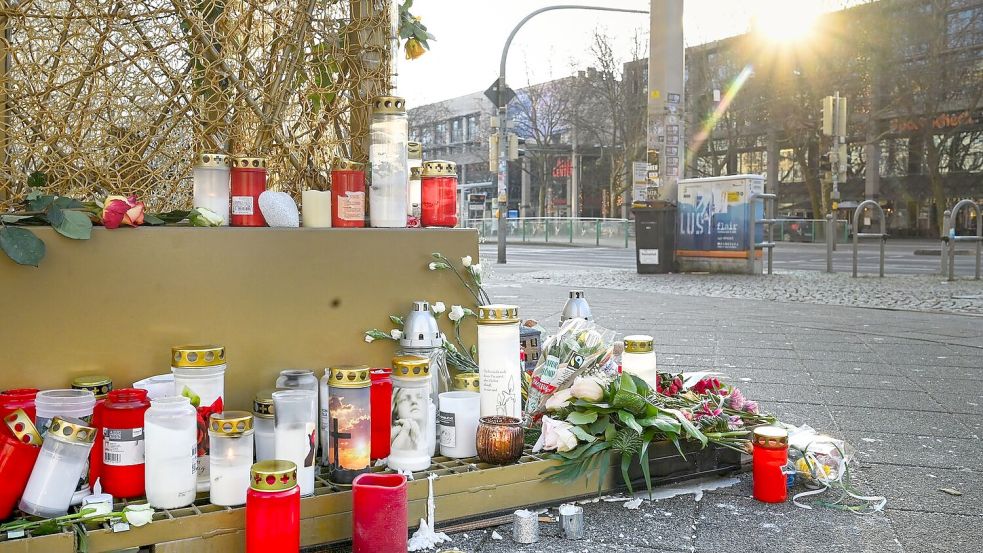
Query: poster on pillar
[[713, 215]]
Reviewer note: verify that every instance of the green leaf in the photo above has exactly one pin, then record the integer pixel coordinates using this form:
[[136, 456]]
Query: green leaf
[[579, 417], [21, 245], [398, 321], [70, 223], [582, 435], [61, 202], [627, 384], [13, 219], [643, 460], [610, 433], [625, 465], [641, 387], [152, 220], [691, 430], [663, 423], [630, 421], [171, 217], [40, 203], [599, 426], [675, 442]]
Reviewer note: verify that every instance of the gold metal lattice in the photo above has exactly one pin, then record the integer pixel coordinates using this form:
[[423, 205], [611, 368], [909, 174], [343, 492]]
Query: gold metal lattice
[[117, 96]]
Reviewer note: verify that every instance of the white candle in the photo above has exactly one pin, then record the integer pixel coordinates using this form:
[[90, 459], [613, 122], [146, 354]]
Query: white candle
[[293, 443], [171, 448], [639, 359], [264, 439], [230, 462], [211, 184], [316, 208], [56, 473], [498, 361], [458, 424]]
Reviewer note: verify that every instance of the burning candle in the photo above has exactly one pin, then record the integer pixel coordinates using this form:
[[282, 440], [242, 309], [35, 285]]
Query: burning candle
[[295, 433], [350, 424], [211, 184], [498, 361], [231, 438], [500, 440], [273, 508]]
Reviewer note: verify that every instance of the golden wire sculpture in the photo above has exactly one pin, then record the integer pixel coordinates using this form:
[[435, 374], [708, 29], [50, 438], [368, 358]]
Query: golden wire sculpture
[[117, 96]]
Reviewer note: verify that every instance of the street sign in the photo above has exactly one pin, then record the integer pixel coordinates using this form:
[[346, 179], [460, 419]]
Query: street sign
[[499, 99]]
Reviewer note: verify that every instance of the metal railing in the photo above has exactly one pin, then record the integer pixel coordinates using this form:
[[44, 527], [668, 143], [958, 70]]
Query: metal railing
[[857, 235], [768, 206], [812, 231], [577, 231], [950, 238]]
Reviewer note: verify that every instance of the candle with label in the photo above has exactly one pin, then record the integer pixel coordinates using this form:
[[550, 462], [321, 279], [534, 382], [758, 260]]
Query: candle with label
[[263, 425], [123, 446], [457, 423], [350, 425], [248, 177], [498, 361], [414, 426], [199, 375]]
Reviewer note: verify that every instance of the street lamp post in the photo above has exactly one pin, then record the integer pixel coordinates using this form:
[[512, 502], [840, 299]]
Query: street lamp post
[[503, 169]]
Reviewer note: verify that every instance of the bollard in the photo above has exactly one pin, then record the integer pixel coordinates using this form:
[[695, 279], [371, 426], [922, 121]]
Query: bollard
[[944, 253], [830, 240]]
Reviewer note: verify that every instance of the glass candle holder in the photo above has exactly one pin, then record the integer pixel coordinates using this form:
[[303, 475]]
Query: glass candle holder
[[211, 184], [123, 443], [498, 361], [500, 440], [347, 194], [439, 185], [770, 454], [350, 423], [20, 444], [231, 437], [171, 468], [248, 181], [199, 375], [77, 404], [263, 426], [387, 155], [18, 398], [381, 397], [639, 358], [414, 426], [295, 433], [379, 513], [303, 379], [56, 473], [273, 508], [457, 424], [414, 162]]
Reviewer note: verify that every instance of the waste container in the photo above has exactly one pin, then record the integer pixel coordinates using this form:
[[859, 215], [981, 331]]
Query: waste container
[[655, 239]]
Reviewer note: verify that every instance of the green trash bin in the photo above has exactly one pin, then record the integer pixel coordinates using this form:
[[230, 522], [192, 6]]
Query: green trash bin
[[655, 239]]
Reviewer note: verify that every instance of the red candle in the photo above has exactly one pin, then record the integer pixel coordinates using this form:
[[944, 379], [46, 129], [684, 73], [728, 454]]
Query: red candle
[[100, 386], [381, 416], [122, 473], [347, 194], [769, 457], [379, 514], [439, 195], [273, 508], [20, 444], [20, 398], [248, 181]]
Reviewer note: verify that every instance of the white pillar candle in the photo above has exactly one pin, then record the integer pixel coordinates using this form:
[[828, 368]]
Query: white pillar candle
[[498, 361], [639, 358], [387, 154], [316, 208], [170, 429], [211, 184], [231, 438], [414, 412], [295, 433], [56, 473], [458, 423]]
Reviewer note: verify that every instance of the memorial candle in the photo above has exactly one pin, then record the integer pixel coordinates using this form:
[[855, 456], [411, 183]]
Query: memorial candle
[[498, 361], [295, 433], [20, 443], [62, 460], [231, 437], [350, 425], [769, 457], [273, 508], [171, 434]]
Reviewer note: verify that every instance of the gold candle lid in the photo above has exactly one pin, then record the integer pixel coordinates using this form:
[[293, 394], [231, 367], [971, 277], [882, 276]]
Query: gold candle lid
[[100, 385], [411, 366], [230, 423], [24, 430], [343, 164], [197, 356], [498, 314], [263, 404], [770, 437], [389, 104], [249, 162], [71, 430], [639, 343], [273, 476], [439, 168], [349, 376], [416, 173], [206, 159], [414, 150], [467, 382]]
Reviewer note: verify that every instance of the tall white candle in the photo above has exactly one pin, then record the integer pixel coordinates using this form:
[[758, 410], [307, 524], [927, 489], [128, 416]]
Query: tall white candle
[[211, 184], [171, 448], [498, 361], [316, 208], [292, 443]]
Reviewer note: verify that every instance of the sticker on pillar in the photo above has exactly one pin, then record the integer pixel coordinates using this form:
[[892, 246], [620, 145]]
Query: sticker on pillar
[[674, 98], [648, 257]]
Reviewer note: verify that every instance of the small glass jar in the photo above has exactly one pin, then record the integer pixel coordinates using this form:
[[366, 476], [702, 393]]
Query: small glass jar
[[248, 181], [414, 162], [263, 425], [171, 468], [350, 424], [199, 375], [769, 456], [100, 385], [387, 155], [123, 445], [62, 461], [422, 338], [231, 437], [414, 426], [347, 194], [77, 404], [19, 398], [439, 185], [457, 424], [498, 361], [19, 449], [639, 358], [295, 433], [211, 184], [302, 379], [500, 440], [382, 411], [273, 508]]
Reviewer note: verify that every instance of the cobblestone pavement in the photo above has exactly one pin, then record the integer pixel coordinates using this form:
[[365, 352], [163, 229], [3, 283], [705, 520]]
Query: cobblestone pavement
[[917, 293]]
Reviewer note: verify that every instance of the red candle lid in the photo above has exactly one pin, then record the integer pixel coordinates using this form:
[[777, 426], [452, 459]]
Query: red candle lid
[[380, 374]]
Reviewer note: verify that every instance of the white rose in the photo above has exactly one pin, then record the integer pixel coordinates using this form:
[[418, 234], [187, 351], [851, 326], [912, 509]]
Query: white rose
[[587, 389], [457, 313], [369, 339], [556, 435], [396, 333], [433, 266], [204, 217], [438, 308], [466, 261], [476, 268], [559, 400], [138, 515]]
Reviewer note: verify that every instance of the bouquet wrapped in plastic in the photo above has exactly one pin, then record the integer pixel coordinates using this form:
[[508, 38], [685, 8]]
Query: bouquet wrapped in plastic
[[580, 347]]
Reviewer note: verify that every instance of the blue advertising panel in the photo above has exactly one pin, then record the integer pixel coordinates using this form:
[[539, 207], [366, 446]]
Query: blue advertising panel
[[713, 215]]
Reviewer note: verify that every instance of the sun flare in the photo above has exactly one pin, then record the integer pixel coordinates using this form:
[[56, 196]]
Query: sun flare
[[785, 21]]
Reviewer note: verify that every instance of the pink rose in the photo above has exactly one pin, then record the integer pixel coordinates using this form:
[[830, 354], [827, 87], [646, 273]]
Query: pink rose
[[119, 210]]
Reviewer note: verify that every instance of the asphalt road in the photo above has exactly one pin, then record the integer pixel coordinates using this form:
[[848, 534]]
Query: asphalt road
[[899, 257]]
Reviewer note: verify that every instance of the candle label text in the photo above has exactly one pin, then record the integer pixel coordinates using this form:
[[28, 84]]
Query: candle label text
[[446, 424], [122, 446]]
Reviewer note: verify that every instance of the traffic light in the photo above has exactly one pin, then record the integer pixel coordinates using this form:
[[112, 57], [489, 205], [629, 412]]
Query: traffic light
[[825, 167], [516, 149]]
